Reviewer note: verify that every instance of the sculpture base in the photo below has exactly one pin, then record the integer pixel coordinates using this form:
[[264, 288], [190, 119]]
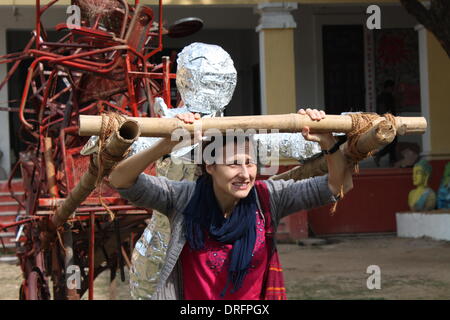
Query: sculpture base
[[434, 224]]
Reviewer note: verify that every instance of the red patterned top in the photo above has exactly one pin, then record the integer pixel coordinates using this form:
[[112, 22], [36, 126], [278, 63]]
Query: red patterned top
[[205, 272]]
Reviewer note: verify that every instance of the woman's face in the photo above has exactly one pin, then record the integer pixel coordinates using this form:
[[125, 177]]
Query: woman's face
[[236, 174]]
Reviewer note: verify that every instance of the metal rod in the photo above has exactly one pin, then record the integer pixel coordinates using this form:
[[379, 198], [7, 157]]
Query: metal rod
[[119, 252], [166, 81], [38, 22], [91, 255]]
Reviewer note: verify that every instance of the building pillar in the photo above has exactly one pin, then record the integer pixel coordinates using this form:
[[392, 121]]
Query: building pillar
[[278, 89], [276, 55], [434, 67], [5, 161], [435, 95]]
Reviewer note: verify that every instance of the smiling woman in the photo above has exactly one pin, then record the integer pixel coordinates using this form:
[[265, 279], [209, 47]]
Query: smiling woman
[[222, 226], [232, 170]]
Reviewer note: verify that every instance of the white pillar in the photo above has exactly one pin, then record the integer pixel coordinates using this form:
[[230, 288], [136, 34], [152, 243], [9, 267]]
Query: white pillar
[[5, 162], [424, 85]]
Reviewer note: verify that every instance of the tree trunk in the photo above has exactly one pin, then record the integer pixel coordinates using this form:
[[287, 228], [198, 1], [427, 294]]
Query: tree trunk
[[435, 19]]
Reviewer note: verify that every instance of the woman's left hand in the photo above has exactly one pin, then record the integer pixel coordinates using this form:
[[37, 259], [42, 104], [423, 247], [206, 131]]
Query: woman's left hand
[[339, 172], [325, 140]]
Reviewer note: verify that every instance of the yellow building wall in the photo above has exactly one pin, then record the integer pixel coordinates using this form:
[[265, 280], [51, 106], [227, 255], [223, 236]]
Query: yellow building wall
[[439, 98], [280, 70]]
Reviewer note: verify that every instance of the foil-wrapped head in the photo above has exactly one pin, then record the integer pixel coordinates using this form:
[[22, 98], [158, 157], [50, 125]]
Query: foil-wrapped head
[[206, 77]]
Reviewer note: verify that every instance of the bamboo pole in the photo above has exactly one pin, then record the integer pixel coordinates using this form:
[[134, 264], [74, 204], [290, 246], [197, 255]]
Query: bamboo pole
[[163, 127], [115, 149], [381, 134]]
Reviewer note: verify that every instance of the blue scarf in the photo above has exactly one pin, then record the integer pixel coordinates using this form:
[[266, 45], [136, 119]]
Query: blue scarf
[[203, 213]]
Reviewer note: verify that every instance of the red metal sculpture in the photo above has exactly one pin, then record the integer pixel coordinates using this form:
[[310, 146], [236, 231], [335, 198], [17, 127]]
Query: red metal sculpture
[[102, 65]]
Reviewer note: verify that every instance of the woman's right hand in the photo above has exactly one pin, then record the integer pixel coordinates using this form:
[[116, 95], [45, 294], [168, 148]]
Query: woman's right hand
[[188, 117]]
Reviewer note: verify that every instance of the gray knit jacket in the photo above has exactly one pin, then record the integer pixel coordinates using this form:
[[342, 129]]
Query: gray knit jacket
[[171, 198]]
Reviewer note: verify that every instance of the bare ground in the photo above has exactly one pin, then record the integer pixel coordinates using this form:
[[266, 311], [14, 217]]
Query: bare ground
[[410, 269]]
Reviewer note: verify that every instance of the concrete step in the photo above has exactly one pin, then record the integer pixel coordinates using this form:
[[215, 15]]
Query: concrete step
[[11, 213], [7, 234], [7, 237], [17, 185], [9, 206], [6, 196], [8, 217], [9, 259], [7, 203], [8, 245]]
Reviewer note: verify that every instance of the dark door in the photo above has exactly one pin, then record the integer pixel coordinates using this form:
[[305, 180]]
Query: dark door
[[343, 62]]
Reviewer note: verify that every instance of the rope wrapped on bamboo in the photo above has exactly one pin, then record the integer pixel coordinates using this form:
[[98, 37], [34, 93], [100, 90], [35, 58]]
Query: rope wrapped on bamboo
[[369, 134], [116, 136]]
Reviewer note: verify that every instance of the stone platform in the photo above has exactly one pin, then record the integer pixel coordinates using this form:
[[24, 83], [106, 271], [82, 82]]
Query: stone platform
[[434, 224]]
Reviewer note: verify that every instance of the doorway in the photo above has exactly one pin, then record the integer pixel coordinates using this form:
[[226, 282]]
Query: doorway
[[343, 68]]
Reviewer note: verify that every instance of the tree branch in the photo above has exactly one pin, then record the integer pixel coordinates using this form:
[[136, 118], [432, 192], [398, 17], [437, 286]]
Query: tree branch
[[418, 10], [434, 19]]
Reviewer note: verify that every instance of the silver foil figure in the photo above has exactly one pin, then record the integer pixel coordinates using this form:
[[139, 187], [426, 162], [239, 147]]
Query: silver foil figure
[[149, 253], [90, 147], [286, 145], [163, 111], [148, 258], [141, 144], [206, 77]]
